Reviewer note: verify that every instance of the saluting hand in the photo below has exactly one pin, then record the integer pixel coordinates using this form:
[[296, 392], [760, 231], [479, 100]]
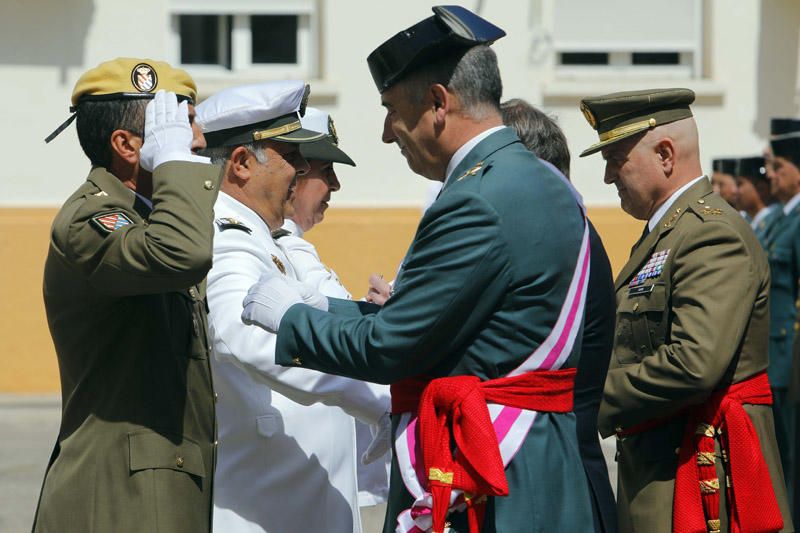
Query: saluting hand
[[167, 132]]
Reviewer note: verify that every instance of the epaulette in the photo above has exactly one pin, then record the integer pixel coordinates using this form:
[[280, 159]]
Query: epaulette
[[706, 211], [280, 232], [232, 223]]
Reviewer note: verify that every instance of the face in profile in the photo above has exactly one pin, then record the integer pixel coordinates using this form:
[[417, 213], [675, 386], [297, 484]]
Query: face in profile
[[633, 167], [725, 185], [313, 193], [785, 178], [273, 182], [410, 125]]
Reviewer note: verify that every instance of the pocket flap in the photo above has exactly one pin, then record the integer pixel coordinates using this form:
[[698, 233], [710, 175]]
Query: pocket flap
[[149, 449]]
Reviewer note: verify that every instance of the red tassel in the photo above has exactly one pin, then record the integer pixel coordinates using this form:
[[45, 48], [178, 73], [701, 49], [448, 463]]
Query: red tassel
[[440, 493]]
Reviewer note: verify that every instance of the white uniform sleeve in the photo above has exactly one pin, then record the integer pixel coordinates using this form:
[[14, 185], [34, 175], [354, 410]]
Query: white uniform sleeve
[[239, 260], [310, 269]]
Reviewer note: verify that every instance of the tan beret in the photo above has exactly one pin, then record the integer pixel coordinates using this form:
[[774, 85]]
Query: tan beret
[[127, 77]]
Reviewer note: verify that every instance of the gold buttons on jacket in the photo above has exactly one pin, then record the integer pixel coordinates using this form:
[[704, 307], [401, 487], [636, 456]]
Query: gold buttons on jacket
[[297, 361], [193, 293], [179, 461], [701, 201], [208, 185]]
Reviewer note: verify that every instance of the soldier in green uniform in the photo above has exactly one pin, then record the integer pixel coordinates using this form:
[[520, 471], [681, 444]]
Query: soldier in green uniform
[[123, 291], [485, 318], [755, 198], [690, 347]]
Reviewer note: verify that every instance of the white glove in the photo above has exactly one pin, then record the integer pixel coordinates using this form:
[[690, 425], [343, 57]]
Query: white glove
[[268, 300], [309, 294], [381, 440], [167, 132]]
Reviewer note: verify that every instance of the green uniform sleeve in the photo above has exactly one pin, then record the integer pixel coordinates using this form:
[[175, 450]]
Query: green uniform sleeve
[[171, 250], [453, 278], [714, 286]]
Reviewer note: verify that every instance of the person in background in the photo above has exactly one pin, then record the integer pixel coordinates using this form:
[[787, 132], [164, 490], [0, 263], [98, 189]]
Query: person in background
[[755, 198], [541, 135], [310, 200], [723, 181]]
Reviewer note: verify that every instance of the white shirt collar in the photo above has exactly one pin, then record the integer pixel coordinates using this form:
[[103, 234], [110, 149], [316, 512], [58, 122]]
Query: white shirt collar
[[293, 227], [762, 213], [661, 211], [791, 204], [466, 148]]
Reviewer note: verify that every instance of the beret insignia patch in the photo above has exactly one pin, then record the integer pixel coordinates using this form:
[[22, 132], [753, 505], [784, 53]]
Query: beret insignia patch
[[279, 264], [144, 78], [110, 222]]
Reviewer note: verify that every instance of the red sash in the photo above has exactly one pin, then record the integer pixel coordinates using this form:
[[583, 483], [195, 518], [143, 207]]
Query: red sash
[[751, 499], [455, 408]]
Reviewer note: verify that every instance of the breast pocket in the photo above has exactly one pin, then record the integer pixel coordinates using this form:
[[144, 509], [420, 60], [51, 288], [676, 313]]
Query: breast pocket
[[641, 323]]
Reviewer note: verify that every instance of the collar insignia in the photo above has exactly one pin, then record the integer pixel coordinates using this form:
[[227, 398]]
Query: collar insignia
[[471, 172], [279, 264]]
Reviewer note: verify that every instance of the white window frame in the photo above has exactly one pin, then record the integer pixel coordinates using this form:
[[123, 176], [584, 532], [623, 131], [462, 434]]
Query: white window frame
[[620, 61], [307, 66]]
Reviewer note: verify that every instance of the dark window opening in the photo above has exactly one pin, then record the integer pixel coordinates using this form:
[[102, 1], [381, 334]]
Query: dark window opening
[[656, 58], [200, 40], [274, 38], [584, 58]]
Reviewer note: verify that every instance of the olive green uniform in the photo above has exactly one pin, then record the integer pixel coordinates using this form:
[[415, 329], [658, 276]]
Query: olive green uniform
[[125, 306], [700, 324]]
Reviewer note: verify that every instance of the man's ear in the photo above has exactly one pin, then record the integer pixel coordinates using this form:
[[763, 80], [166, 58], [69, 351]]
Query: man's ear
[[126, 145], [442, 102], [240, 163], [665, 150]]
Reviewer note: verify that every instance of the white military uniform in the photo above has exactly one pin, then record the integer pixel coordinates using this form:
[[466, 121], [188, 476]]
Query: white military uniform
[[283, 464], [373, 479]]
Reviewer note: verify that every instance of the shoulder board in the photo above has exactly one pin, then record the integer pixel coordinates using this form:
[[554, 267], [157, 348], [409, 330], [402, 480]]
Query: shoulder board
[[232, 223], [110, 222], [706, 210], [280, 232]]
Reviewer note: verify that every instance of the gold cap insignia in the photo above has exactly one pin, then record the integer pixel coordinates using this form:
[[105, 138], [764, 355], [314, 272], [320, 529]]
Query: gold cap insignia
[[332, 131], [587, 113], [279, 264]]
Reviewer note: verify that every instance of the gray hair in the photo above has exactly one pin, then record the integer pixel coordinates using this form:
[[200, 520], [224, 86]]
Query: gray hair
[[219, 155], [473, 76], [538, 132]]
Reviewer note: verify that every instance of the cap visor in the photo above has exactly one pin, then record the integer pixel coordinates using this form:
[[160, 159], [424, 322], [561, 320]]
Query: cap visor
[[599, 146], [325, 150], [299, 136]]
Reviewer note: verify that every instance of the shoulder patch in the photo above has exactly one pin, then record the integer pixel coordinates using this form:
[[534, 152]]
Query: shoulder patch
[[232, 223], [109, 222]]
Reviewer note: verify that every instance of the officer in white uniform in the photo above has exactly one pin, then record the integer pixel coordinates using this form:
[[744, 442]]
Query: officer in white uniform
[[286, 458], [310, 200]]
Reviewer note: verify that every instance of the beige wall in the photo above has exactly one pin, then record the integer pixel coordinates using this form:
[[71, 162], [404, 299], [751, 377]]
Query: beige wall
[[354, 242]]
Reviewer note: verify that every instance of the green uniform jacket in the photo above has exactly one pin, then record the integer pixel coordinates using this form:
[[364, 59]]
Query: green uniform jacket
[[699, 325], [135, 450], [783, 248], [480, 289], [766, 226]]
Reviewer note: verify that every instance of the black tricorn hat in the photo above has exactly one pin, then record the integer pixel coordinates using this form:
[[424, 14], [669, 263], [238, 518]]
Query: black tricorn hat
[[725, 165], [451, 28], [751, 167]]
